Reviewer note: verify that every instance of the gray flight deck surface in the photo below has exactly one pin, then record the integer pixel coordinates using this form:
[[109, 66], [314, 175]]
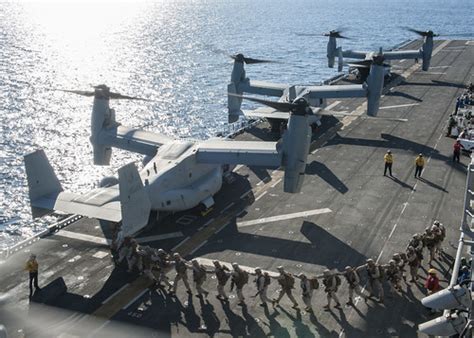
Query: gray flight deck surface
[[352, 213]]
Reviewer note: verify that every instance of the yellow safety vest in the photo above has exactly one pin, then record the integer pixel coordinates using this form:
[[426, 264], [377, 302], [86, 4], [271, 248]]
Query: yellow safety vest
[[388, 158], [31, 266], [420, 161]]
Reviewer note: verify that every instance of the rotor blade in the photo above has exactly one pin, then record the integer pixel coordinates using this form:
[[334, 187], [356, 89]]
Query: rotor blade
[[251, 61], [280, 106], [414, 31], [309, 34], [78, 92], [120, 96]]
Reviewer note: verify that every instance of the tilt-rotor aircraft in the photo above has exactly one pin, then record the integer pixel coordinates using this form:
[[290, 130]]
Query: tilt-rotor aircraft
[[315, 96], [181, 173], [333, 51]]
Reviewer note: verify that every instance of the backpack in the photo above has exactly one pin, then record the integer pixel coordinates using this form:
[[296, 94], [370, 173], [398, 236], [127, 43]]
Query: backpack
[[314, 283], [245, 277], [290, 280], [267, 280], [338, 280]]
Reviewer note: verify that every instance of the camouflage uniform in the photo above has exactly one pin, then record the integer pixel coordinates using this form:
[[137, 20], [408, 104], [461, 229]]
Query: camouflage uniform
[[330, 283], [286, 281]]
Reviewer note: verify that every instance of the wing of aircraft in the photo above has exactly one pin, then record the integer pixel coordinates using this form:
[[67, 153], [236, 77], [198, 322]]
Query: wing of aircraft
[[239, 152], [354, 54], [402, 54]]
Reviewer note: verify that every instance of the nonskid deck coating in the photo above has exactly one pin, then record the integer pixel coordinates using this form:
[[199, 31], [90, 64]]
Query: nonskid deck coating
[[370, 216]]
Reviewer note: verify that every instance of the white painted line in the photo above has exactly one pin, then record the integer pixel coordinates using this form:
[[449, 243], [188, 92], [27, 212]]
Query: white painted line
[[208, 222], [261, 195], [93, 333], [315, 151], [240, 213], [221, 228], [453, 50], [400, 106], [198, 247], [227, 207], [83, 237], [403, 60], [470, 42], [180, 243], [237, 167], [160, 237], [245, 193], [431, 67], [275, 171], [100, 254], [332, 105], [209, 262], [115, 293], [432, 73], [284, 217], [260, 183], [135, 299], [276, 182]]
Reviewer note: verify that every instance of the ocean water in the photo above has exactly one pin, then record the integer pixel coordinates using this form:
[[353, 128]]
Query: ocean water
[[170, 51]]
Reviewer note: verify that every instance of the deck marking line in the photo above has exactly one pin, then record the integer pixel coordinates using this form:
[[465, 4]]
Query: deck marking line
[[260, 196], [400, 106], [245, 193], [332, 105], [277, 181], [221, 228], [135, 299], [208, 222], [83, 237], [115, 293], [284, 217], [159, 237], [180, 243], [227, 207], [198, 247], [93, 333]]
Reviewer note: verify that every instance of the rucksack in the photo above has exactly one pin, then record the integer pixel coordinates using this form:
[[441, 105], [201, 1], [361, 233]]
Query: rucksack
[[290, 280], [338, 280], [245, 277], [314, 283], [267, 280]]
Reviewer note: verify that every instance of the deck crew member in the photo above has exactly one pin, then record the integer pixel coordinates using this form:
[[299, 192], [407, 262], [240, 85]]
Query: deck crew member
[[353, 279], [429, 242], [181, 267], [419, 164], [262, 281], [388, 159], [239, 279], [413, 263], [400, 261], [417, 243], [222, 276], [32, 267], [163, 261], [199, 277], [457, 151], [393, 276], [308, 285], [287, 282], [375, 275], [432, 282], [439, 232], [331, 283]]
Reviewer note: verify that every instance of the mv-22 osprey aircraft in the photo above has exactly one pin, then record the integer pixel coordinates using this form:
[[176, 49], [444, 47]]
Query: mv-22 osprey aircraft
[[182, 174], [424, 53]]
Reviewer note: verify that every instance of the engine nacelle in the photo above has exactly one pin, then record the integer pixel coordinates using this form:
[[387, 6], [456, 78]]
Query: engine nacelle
[[296, 140], [331, 51], [426, 51], [102, 116], [234, 104], [374, 88]]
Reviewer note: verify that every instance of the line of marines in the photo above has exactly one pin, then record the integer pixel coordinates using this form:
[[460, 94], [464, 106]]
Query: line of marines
[[156, 264]]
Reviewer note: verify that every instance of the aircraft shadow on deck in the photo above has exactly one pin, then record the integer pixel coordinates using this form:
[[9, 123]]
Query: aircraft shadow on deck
[[323, 248], [394, 142], [321, 170], [435, 83], [404, 95]]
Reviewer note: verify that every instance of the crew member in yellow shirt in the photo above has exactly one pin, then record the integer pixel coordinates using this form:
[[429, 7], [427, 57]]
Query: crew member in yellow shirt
[[419, 164], [388, 159], [32, 267]]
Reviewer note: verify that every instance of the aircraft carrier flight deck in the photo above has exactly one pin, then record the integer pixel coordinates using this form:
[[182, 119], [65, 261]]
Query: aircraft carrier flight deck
[[346, 213]]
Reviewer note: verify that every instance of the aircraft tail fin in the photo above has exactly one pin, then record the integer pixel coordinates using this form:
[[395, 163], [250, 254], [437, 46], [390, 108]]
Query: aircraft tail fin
[[134, 202], [42, 181]]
